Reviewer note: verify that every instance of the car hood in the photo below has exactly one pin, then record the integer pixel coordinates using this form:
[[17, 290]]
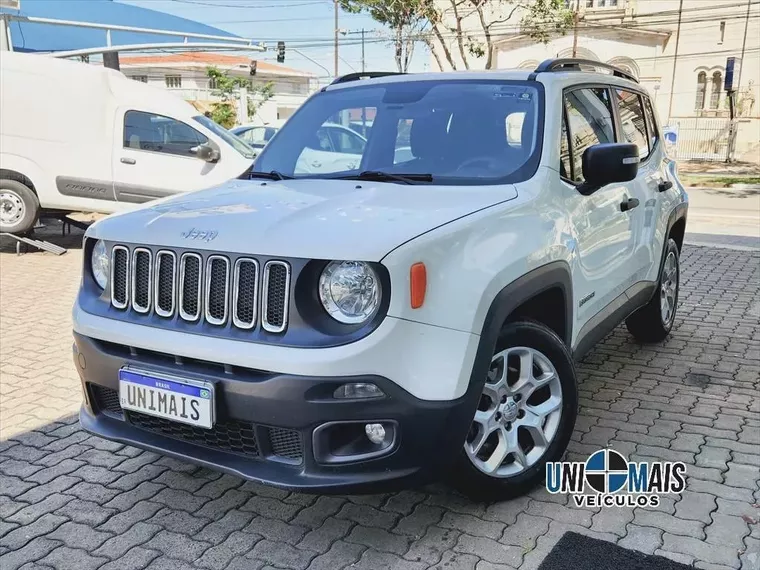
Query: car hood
[[310, 218]]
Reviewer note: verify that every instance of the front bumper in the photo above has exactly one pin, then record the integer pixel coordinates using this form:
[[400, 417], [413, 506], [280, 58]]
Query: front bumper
[[266, 422]]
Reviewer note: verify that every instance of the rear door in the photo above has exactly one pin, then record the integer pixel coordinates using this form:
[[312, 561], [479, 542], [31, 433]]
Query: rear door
[[604, 234], [154, 157], [635, 128]]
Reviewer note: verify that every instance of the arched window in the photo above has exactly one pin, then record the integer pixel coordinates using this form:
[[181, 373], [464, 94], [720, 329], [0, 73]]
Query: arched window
[[699, 104], [717, 80]]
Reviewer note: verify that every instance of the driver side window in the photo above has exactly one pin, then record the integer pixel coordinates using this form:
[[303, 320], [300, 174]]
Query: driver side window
[[589, 122]]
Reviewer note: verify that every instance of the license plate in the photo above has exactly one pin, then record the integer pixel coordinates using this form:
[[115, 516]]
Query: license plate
[[177, 399]]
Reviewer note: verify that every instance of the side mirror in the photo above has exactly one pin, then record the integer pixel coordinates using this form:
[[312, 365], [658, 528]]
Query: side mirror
[[206, 152], [607, 163]]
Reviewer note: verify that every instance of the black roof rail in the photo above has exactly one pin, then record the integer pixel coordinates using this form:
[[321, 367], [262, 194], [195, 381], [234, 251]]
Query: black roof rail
[[565, 64], [363, 75]]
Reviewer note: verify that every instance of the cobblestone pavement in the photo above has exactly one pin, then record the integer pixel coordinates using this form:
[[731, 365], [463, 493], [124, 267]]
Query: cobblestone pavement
[[72, 501]]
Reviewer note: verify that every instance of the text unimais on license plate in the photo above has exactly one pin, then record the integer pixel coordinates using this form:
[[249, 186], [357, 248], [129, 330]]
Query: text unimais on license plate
[[147, 399]]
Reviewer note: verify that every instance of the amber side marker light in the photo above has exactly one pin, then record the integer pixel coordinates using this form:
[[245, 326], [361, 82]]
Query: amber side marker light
[[418, 284]]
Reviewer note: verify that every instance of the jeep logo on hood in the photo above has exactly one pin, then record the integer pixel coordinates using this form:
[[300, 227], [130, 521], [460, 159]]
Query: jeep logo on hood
[[203, 235]]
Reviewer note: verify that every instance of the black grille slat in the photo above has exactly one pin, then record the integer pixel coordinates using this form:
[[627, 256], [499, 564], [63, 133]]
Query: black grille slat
[[276, 289], [245, 292], [120, 277], [286, 443], [165, 268], [216, 290], [106, 399], [141, 273], [191, 287]]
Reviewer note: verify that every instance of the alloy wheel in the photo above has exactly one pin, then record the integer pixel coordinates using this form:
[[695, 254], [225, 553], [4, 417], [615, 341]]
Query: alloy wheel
[[518, 413], [668, 288]]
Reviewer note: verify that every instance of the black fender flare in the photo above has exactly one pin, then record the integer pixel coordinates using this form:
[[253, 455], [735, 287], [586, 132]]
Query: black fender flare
[[555, 274], [679, 212]]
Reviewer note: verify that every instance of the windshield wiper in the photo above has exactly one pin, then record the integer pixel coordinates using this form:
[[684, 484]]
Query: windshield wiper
[[272, 175], [379, 176]]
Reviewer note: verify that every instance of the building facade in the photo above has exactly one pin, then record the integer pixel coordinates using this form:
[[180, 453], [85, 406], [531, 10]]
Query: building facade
[[678, 49], [185, 75]]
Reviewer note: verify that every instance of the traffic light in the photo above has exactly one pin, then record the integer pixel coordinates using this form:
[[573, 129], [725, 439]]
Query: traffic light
[[280, 52], [254, 64]]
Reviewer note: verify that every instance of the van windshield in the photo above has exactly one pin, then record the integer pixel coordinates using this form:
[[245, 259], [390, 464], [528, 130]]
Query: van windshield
[[226, 136], [455, 132]]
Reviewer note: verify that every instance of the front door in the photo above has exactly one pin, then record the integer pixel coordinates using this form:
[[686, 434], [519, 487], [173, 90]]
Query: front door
[[155, 157], [604, 232]]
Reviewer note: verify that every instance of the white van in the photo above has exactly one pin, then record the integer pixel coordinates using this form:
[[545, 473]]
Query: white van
[[83, 138]]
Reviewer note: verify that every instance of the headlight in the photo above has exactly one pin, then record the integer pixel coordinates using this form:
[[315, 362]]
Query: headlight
[[349, 291], [100, 263]]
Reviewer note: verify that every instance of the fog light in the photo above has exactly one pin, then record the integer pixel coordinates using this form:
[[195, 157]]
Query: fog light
[[375, 433], [358, 390]]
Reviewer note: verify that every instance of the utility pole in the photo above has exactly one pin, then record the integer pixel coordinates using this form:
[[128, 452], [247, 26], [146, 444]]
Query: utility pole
[[745, 39], [675, 59], [336, 38], [744, 48], [576, 17]]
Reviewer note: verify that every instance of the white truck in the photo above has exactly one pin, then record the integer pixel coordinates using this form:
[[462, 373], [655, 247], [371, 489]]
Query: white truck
[[83, 138], [402, 319]]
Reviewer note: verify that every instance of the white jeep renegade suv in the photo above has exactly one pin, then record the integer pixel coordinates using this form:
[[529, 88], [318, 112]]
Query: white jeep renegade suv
[[357, 330]]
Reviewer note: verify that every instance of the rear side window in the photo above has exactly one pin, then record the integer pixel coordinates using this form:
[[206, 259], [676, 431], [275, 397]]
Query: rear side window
[[589, 122], [156, 133], [654, 134], [632, 120]]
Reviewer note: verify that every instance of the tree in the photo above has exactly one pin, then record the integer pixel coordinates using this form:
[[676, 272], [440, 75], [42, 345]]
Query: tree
[[541, 19], [405, 18], [226, 86]]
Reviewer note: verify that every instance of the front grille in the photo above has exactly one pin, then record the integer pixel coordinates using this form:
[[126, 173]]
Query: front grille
[[141, 277], [119, 277], [230, 435], [286, 443], [275, 294], [106, 400], [211, 289], [190, 287], [165, 268]]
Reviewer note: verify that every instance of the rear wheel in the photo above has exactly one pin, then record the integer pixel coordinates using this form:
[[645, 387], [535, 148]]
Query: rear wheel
[[653, 321], [524, 418], [19, 207]]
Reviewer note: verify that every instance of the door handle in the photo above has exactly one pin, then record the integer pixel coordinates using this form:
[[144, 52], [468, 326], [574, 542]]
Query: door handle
[[629, 204], [125, 160], [664, 185], [316, 163]]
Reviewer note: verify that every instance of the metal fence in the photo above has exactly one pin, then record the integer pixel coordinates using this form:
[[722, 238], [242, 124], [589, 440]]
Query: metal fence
[[710, 139]]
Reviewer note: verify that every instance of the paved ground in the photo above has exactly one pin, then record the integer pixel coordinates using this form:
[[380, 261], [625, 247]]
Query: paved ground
[[72, 501]]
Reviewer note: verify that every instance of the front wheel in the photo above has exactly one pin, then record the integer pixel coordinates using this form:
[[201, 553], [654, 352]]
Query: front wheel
[[524, 418], [19, 207]]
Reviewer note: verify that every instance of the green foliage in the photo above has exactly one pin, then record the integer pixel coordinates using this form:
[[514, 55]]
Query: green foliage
[[226, 86], [547, 18]]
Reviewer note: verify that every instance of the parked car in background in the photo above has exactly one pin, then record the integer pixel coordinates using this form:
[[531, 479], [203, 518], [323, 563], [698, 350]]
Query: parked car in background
[[256, 136], [82, 138]]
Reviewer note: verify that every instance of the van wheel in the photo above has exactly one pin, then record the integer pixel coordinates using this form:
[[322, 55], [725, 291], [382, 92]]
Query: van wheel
[[524, 418], [653, 321], [19, 207]]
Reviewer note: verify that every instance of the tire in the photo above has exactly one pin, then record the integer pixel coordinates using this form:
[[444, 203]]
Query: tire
[[19, 207], [652, 322], [515, 422]]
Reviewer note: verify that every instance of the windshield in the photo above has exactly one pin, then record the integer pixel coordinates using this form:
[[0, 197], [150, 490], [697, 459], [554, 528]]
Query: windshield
[[458, 131], [226, 136]]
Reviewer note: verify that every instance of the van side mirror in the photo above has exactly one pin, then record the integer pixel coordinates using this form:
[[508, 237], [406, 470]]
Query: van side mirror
[[607, 163], [206, 152]]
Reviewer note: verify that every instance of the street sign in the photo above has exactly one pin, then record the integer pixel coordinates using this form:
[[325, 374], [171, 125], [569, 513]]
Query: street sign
[[731, 82]]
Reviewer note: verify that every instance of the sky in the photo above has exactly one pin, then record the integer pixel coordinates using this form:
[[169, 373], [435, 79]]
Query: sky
[[305, 25]]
